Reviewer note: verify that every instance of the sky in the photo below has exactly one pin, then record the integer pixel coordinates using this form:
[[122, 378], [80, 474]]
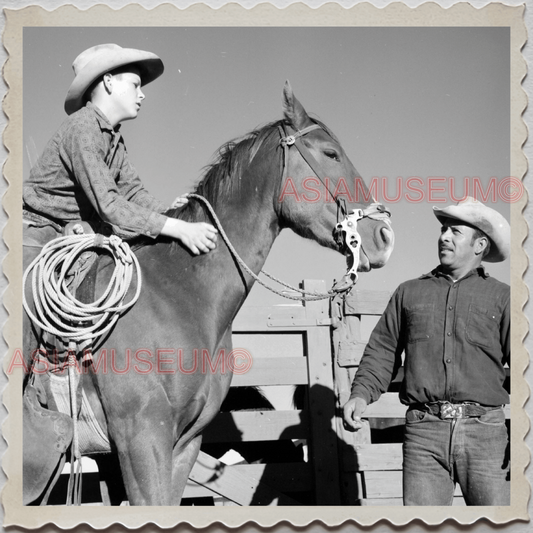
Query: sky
[[408, 104]]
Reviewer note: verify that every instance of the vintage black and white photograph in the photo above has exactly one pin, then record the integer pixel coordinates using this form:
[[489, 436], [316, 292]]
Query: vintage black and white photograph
[[268, 265]]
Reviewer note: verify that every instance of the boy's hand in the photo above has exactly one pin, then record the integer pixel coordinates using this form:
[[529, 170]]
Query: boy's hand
[[198, 237], [180, 201], [352, 411]]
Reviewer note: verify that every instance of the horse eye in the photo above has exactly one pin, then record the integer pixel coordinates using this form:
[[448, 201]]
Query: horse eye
[[332, 154]]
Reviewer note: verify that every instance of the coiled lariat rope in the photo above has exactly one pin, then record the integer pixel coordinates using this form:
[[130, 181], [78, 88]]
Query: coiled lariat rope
[[304, 294], [58, 312]]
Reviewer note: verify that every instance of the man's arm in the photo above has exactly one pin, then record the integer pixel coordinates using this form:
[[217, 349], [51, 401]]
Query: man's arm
[[505, 332], [379, 364]]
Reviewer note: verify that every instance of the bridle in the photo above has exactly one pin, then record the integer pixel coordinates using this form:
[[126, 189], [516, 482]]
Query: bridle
[[346, 227], [290, 137], [346, 233]]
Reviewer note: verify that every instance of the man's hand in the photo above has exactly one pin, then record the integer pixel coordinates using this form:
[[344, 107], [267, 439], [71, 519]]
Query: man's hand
[[352, 412], [198, 237], [180, 201]]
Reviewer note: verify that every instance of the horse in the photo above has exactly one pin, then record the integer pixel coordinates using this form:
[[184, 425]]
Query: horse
[[152, 391]]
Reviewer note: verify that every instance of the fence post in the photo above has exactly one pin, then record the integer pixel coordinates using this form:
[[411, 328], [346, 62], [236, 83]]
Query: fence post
[[324, 442]]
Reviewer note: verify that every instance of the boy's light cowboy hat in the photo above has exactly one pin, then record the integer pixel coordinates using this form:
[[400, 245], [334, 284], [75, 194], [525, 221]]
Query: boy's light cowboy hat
[[489, 221], [102, 58]]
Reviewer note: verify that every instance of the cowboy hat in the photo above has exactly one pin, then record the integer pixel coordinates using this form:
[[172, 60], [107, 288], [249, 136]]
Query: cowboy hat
[[102, 58], [484, 218]]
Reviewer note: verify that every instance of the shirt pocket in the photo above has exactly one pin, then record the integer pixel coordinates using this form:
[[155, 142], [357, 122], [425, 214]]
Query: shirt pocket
[[482, 326], [420, 322]]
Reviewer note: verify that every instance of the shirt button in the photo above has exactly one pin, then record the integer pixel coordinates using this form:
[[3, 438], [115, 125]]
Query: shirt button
[[449, 334], [451, 307], [448, 360]]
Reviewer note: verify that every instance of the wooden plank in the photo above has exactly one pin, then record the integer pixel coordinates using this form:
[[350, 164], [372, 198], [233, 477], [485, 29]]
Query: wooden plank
[[388, 406], [366, 302], [257, 426], [367, 457], [274, 371], [270, 345], [284, 477], [232, 484], [322, 401], [256, 318], [458, 500]]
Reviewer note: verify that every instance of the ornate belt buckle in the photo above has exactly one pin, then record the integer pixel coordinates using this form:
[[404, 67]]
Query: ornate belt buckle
[[449, 410]]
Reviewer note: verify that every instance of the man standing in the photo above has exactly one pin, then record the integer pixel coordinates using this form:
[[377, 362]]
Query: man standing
[[454, 326]]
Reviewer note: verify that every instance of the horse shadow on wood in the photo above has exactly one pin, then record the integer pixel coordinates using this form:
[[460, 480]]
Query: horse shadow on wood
[[291, 462]]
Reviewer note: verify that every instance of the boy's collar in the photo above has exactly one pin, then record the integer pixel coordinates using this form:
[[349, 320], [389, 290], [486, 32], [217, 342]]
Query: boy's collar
[[102, 119]]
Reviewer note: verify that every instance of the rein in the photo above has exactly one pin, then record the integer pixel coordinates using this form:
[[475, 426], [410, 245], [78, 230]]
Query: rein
[[315, 296]]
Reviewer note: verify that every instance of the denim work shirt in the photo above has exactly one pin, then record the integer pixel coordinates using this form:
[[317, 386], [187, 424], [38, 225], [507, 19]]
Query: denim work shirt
[[84, 173], [456, 337]]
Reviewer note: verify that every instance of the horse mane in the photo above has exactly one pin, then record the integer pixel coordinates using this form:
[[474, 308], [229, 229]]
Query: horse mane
[[222, 176]]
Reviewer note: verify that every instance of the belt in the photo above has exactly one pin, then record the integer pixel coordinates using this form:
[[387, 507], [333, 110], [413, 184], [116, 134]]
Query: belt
[[40, 220], [447, 410]]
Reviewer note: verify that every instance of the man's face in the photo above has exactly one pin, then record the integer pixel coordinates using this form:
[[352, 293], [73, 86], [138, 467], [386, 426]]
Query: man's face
[[455, 245], [127, 94]]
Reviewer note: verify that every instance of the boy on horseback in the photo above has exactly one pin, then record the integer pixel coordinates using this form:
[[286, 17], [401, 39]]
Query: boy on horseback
[[84, 174]]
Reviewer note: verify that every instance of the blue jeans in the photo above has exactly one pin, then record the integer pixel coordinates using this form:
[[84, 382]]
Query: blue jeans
[[473, 452]]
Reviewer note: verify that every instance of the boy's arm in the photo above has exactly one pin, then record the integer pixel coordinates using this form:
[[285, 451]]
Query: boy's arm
[[85, 149]]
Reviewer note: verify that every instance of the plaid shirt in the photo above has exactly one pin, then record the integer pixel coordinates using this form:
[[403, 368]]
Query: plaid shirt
[[456, 337], [84, 173]]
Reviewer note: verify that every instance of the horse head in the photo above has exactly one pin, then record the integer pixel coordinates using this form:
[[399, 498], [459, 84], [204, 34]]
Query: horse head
[[320, 186]]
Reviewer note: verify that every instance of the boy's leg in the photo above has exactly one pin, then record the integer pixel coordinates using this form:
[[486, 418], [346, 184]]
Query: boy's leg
[[33, 240]]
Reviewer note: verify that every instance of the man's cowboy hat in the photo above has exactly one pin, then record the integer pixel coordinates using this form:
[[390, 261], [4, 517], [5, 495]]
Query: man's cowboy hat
[[489, 221], [98, 60]]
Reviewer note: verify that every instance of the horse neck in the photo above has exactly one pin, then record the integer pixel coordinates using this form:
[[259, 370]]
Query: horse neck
[[247, 217]]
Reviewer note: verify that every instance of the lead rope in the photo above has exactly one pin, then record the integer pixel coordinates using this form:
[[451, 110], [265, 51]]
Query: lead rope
[[61, 314], [314, 295], [74, 487]]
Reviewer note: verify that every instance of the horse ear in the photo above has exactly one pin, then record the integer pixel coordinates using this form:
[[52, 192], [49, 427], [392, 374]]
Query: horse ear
[[293, 110]]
